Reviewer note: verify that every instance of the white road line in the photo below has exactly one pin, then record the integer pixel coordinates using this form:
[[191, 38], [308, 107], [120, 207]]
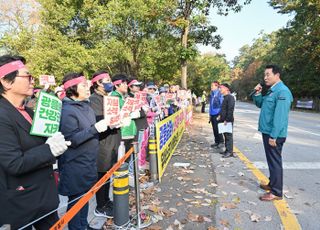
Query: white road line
[[304, 131], [290, 165]]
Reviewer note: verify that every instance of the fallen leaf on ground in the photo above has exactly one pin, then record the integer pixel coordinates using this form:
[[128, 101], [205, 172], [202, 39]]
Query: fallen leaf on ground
[[205, 204], [248, 212], [173, 209], [184, 221], [229, 205], [214, 195], [189, 192], [158, 218], [252, 203], [213, 185], [212, 228], [184, 178], [236, 200], [237, 218], [166, 212], [177, 223], [255, 217], [195, 218], [224, 223], [153, 208], [268, 218]]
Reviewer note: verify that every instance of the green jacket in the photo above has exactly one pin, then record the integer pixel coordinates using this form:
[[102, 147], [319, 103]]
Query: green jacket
[[275, 107], [127, 132]]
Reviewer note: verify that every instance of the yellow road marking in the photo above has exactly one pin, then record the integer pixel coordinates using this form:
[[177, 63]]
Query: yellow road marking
[[288, 219]]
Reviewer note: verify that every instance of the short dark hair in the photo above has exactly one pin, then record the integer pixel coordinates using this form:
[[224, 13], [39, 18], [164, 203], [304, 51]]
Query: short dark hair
[[10, 77], [275, 69], [227, 86], [120, 76], [73, 90], [216, 83]]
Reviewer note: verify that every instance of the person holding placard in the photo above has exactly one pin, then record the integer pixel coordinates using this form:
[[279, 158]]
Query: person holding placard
[[78, 166], [226, 116], [27, 186], [140, 118], [109, 142], [128, 129]]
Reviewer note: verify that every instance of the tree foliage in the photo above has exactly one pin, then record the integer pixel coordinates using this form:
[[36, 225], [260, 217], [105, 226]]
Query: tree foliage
[[295, 48], [192, 24], [206, 69]]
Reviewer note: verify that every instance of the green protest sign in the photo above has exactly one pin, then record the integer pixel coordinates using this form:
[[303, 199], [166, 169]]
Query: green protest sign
[[46, 119]]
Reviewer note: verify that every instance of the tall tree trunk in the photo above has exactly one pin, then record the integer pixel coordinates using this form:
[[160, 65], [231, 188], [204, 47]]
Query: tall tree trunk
[[184, 42]]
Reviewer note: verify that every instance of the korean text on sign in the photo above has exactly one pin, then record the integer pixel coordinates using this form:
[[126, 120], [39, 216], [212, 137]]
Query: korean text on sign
[[111, 109], [47, 115]]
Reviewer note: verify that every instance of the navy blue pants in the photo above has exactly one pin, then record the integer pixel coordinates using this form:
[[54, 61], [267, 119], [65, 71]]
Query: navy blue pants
[[79, 221], [274, 159], [218, 138]]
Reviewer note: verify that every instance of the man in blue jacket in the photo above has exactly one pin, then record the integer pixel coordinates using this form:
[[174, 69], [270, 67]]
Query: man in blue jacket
[[273, 124], [216, 99]]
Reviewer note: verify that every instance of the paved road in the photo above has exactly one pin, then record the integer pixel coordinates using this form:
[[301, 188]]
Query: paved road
[[301, 158]]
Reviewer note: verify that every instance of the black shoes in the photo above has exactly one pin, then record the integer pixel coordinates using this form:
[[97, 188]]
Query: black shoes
[[227, 155], [215, 145]]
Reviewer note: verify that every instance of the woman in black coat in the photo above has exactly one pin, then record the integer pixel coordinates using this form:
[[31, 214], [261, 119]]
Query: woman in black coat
[[109, 142], [78, 167], [27, 186]]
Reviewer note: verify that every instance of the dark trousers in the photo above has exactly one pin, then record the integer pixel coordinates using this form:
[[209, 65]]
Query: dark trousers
[[45, 223], [274, 159], [203, 107], [79, 221], [228, 138], [218, 138], [102, 195]]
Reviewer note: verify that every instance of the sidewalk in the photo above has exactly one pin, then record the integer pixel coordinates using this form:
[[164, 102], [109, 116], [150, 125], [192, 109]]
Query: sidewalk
[[212, 193]]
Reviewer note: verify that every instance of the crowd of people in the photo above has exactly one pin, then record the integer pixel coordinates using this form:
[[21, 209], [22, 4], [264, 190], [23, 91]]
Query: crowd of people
[[85, 147], [87, 143]]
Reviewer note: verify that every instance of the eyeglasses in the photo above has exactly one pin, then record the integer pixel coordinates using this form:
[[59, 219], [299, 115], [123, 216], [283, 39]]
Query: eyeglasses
[[28, 76]]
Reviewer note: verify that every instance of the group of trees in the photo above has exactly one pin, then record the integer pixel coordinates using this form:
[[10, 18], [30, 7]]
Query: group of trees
[[295, 48], [156, 40], [149, 39]]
